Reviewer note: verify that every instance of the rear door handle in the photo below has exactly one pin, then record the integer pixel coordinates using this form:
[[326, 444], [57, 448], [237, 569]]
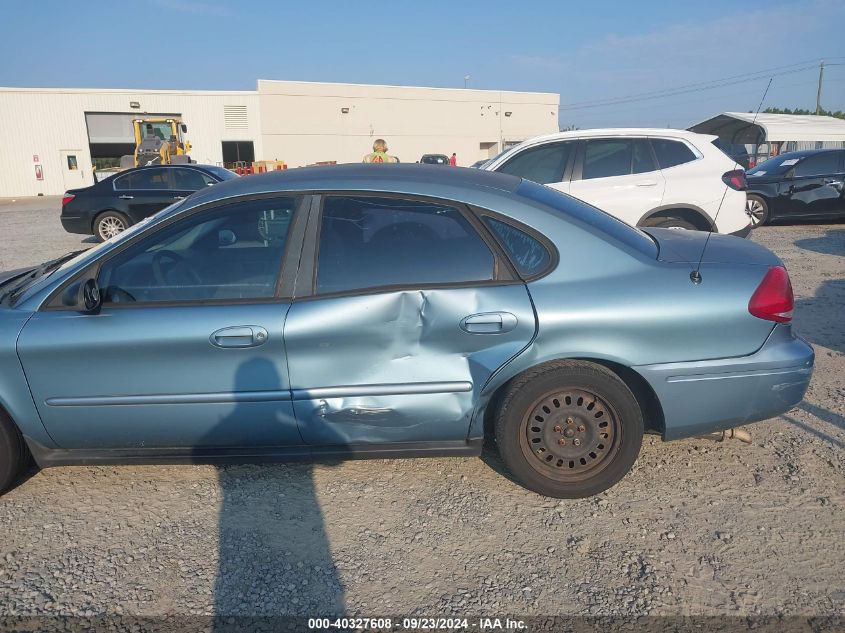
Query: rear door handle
[[489, 323], [832, 182], [239, 336], [125, 197], [178, 197]]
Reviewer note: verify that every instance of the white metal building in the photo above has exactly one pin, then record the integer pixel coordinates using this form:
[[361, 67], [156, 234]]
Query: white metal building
[[766, 133], [51, 139]]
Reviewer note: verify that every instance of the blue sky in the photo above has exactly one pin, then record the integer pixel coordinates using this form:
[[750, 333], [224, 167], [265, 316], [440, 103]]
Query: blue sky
[[583, 51]]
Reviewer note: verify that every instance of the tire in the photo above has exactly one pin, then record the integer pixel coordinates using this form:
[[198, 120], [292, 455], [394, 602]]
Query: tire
[[671, 222], [13, 453], [109, 224], [758, 210], [569, 430]]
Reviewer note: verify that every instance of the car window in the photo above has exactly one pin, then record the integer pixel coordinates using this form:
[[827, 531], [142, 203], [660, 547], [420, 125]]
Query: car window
[[221, 172], [544, 164], [233, 252], [368, 242], [604, 158], [143, 179], [818, 165], [671, 153], [527, 253], [191, 179]]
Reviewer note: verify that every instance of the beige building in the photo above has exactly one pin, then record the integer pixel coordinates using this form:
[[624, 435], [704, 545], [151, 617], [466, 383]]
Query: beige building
[[51, 140]]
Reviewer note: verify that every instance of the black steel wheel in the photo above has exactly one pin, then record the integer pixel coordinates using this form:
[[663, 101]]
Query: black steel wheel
[[569, 429], [571, 435]]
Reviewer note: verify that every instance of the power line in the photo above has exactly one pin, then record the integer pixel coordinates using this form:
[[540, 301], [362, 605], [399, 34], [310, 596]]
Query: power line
[[696, 87]]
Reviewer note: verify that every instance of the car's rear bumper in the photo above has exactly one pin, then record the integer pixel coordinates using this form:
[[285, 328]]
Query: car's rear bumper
[[76, 224], [704, 396]]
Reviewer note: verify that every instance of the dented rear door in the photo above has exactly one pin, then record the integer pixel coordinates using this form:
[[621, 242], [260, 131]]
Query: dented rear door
[[401, 366], [408, 318]]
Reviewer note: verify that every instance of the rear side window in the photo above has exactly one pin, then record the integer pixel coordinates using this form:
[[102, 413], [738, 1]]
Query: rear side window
[[191, 179], [818, 165], [671, 153], [604, 158], [369, 242], [543, 164], [143, 179], [527, 253]]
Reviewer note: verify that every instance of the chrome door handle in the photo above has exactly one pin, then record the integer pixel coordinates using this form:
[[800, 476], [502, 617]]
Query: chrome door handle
[[178, 197], [239, 336], [647, 183], [124, 197], [832, 182], [489, 323]]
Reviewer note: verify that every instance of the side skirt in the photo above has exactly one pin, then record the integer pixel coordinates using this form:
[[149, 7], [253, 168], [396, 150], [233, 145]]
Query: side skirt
[[46, 457]]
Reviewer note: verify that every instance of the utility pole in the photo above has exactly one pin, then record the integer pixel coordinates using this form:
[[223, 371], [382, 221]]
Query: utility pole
[[466, 81], [819, 92]]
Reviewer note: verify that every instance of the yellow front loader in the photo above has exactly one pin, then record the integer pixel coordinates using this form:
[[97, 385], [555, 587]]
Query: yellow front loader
[[158, 142]]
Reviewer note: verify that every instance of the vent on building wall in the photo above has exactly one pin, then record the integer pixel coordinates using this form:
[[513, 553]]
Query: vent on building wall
[[234, 117]]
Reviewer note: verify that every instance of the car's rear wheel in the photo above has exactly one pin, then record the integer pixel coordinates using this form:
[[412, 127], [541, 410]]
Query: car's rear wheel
[[758, 210], [109, 224], [13, 453], [569, 430]]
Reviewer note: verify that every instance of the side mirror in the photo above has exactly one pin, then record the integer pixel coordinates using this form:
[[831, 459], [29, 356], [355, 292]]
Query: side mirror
[[83, 296], [184, 128], [226, 237]]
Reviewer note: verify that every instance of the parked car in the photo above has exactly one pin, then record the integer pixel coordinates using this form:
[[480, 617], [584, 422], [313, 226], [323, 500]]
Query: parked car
[[434, 159], [663, 178], [406, 311], [112, 205], [807, 185]]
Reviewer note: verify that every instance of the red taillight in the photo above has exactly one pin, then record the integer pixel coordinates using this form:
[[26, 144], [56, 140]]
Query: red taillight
[[735, 179], [773, 298], [67, 198]]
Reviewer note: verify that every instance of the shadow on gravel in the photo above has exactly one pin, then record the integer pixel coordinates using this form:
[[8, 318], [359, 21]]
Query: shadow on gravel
[[274, 557], [819, 318], [831, 243], [814, 431]]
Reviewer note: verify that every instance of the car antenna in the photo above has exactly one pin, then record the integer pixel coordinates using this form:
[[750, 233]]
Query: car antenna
[[695, 275]]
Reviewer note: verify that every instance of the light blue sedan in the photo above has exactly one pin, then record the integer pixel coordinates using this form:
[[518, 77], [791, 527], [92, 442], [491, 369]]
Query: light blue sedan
[[390, 311]]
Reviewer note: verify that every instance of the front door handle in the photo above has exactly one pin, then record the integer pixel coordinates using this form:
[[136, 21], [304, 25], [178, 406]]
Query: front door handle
[[239, 336], [178, 197], [647, 183], [125, 197], [832, 182], [489, 323]]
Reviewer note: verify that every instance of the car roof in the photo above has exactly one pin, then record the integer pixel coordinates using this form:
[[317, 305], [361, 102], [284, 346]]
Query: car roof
[[621, 131], [176, 166], [806, 152], [415, 179]]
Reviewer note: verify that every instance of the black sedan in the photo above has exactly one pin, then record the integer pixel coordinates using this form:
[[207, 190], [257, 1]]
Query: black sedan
[[116, 203], [797, 186]]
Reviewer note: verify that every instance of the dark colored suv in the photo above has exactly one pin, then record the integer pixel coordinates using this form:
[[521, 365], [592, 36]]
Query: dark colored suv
[[116, 203]]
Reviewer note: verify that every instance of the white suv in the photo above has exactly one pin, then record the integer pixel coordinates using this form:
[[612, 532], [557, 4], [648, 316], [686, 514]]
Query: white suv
[[646, 177]]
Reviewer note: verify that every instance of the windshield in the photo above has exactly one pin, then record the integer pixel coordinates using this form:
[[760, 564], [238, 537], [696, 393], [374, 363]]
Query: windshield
[[589, 215]]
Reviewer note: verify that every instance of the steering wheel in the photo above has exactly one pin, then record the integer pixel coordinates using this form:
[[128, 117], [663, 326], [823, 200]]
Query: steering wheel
[[179, 266]]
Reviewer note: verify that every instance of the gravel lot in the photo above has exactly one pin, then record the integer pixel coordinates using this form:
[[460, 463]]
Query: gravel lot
[[698, 528]]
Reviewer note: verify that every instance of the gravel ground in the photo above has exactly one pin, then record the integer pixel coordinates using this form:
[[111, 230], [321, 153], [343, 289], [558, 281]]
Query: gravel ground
[[697, 528]]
